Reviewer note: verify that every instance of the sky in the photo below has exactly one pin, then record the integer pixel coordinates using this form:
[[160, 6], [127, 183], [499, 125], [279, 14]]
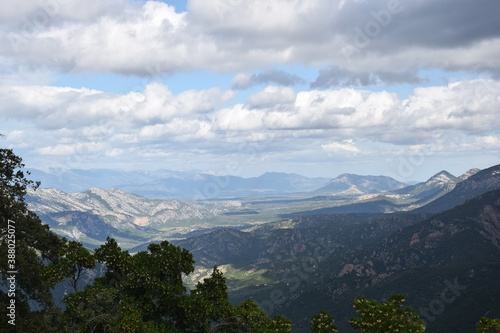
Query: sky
[[402, 88]]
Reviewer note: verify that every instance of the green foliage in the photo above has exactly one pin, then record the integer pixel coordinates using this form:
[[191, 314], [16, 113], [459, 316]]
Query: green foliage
[[248, 317], [117, 262], [488, 325], [323, 323], [389, 316], [146, 290], [13, 183], [145, 293], [74, 263], [34, 245], [207, 304]]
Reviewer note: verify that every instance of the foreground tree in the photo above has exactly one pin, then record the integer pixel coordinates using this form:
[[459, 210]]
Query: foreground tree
[[74, 263], [145, 293], [28, 245], [488, 325], [249, 318], [388, 317], [323, 323]]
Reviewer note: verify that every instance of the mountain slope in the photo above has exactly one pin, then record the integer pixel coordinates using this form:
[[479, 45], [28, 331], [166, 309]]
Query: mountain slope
[[326, 261], [477, 184], [120, 205], [458, 249], [439, 184], [222, 246], [364, 184], [479, 216], [461, 246], [469, 173], [93, 215]]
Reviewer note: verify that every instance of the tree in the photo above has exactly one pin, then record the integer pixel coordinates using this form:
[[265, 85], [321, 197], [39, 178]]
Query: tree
[[389, 316], [75, 262], [140, 293], [28, 245], [323, 323], [249, 318], [145, 293], [488, 325], [147, 290], [207, 305]]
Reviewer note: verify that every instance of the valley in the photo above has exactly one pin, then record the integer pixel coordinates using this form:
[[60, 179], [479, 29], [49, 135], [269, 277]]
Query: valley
[[135, 218], [296, 253]]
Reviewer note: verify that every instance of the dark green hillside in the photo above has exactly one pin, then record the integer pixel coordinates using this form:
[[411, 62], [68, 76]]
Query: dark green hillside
[[457, 249], [223, 246], [319, 262], [286, 266]]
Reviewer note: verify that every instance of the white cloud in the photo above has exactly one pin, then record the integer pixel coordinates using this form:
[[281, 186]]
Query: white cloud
[[488, 142], [272, 96], [131, 37], [72, 149], [61, 122], [238, 118], [43, 12], [56, 107], [466, 105], [278, 45], [346, 146]]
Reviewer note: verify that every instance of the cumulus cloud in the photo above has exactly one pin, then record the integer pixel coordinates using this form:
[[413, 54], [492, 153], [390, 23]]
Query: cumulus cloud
[[71, 149], [340, 48], [359, 36], [460, 107], [466, 106], [346, 146], [487, 142], [274, 97], [43, 13], [95, 125], [59, 107]]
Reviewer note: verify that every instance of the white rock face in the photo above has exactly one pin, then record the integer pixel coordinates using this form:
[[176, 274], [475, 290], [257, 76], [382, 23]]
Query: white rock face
[[118, 206]]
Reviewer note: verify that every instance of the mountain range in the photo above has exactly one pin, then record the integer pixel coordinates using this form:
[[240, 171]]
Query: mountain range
[[476, 184], [139, 219], [400, 198], [296, 248], [167, 184]]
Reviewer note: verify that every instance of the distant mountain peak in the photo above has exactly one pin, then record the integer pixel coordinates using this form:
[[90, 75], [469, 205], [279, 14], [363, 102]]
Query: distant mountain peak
[[352, 190], [361, 184], [443, 177], [444, 173], [468, 173]]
